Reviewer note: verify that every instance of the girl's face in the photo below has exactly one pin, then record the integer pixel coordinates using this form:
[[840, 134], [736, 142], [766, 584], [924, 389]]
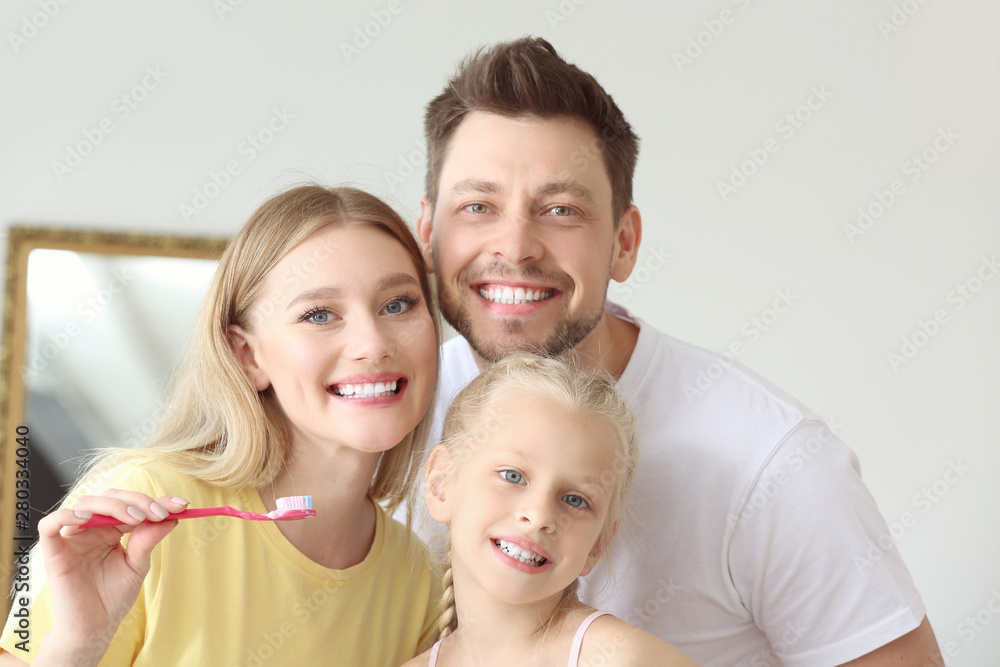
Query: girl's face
[[527, 505], [342, 332]]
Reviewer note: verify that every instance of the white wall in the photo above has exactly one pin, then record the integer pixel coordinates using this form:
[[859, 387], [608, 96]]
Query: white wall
[[358, 116]]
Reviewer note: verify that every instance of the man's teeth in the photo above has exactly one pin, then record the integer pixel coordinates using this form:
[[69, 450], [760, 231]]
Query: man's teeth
[[517, 553], [513, 295], [366, 390]]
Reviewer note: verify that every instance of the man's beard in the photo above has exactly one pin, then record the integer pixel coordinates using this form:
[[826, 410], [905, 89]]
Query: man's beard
[[567, 334]]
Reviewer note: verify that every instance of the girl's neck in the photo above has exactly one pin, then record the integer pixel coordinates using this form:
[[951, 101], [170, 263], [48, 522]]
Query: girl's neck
[[491, 631], [338, 479]]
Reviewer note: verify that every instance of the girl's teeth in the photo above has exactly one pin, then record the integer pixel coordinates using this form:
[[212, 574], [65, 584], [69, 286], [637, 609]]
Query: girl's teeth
[[517, 553]]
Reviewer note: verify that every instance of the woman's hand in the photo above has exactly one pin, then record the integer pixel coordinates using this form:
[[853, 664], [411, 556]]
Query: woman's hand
[[93, 579]]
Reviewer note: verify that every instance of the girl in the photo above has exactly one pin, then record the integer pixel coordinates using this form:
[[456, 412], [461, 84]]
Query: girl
[[530, 475], [312, 368]]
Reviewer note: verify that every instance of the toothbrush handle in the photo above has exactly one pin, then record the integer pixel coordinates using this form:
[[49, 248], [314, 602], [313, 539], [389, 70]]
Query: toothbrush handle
[[99, 520]]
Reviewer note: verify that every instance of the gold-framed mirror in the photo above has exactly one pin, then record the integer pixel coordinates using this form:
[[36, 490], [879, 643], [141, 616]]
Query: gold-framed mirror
[[93, 325]]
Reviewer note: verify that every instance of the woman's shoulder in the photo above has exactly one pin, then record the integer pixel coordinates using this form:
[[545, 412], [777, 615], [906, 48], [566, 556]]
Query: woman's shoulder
[[149, 474], [617, 642]]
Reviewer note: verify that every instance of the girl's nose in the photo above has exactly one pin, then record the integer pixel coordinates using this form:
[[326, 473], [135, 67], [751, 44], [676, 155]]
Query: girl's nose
[[537, 511]]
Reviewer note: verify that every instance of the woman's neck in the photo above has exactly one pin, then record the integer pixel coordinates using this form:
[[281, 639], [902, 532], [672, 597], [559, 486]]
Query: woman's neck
[[338, 479]]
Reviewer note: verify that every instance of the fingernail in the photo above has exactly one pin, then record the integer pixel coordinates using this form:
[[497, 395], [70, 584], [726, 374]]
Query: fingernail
[[159, 510], [137, 513], [181, 501], [83, 514]]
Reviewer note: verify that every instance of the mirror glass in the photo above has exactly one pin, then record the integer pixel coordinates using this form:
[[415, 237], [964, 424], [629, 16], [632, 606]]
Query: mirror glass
[[103, 335], [94, 324]]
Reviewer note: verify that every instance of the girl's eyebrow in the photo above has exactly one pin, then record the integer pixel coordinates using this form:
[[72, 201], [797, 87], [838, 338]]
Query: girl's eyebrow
[[387, 281]]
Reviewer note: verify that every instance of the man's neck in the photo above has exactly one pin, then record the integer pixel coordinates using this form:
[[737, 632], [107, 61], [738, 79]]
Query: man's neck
[[609, 346]]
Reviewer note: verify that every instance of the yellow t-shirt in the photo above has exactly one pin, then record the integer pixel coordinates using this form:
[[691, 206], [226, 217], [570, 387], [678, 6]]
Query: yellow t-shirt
[[224, 591]]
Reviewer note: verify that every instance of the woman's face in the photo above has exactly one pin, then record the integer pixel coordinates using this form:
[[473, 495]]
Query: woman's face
[[343, 334]]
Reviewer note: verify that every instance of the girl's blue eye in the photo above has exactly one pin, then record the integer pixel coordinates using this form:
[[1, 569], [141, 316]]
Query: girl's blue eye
[[575, 501], [316, 316], [512, 476]]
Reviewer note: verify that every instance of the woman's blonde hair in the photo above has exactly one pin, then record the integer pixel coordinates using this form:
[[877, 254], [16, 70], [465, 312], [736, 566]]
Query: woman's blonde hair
[[477, 412], [218, 427]]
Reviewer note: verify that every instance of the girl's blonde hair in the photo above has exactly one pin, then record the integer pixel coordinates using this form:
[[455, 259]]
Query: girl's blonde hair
[[218, 427], [477, 412]]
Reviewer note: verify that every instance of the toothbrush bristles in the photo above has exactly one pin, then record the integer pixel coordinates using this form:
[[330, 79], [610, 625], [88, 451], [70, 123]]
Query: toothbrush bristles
[[295, 503]]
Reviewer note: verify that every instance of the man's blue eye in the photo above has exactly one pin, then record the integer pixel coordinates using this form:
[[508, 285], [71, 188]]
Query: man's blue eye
[[513, 476], [575, 501]]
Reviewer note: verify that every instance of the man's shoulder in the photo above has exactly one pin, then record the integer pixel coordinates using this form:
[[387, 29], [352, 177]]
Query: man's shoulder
[[694, 378]]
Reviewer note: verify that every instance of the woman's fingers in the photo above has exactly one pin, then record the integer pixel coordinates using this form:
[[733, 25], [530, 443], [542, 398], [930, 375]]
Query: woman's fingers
[[130, 507], [141, 543], [53, 523]]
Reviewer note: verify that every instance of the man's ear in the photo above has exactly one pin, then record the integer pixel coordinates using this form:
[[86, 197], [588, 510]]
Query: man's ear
[[436, 484], [425, 228], [628, 235], [595, 554], [241, 343]]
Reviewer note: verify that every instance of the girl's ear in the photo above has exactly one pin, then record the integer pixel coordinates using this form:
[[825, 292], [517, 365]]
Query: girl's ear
[[241, 343], [595, 554], [436, 484]]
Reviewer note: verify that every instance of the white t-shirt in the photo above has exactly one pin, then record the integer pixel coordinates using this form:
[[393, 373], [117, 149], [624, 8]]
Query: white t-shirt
[[750, 539]]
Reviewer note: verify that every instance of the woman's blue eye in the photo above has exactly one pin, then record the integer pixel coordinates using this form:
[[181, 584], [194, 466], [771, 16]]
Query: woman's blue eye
[[575, 501], [399, 306], [512, 476]]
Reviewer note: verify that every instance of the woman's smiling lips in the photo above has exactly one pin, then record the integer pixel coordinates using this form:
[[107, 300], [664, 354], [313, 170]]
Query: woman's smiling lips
[[369, 388], [521, 554]]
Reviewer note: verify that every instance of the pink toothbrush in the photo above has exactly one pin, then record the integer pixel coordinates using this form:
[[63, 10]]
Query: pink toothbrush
[[289, 509]]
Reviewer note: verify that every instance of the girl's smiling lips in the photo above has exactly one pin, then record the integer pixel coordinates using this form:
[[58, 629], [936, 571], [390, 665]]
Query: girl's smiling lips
[[521, 553], [369, 387]]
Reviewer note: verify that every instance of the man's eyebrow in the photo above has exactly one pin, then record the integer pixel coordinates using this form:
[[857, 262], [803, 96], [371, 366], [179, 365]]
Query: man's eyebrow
[[571, 188], [387, 281], [474, 186]]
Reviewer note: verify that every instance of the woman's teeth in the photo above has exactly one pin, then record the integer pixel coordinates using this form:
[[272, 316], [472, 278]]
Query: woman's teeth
[[366, 390], [517, 553], [513, 295]]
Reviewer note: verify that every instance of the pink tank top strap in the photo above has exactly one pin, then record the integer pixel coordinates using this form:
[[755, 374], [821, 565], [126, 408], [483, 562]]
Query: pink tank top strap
[[574, 652], [434, 654]]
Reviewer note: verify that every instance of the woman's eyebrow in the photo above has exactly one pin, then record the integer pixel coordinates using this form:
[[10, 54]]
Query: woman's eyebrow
[[384, 282]]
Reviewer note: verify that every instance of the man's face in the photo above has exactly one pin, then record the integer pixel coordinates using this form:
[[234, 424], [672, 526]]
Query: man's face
[[522, 237]]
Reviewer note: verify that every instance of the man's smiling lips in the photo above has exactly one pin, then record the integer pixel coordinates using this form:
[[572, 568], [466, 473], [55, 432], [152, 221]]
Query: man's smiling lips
[[523, 297]]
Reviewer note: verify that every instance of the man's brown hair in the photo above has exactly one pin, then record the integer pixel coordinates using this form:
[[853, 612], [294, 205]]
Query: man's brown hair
[[527, 78]]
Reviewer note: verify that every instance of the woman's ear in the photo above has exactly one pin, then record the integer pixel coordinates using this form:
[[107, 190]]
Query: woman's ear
[[241, 343], [436, 484], [594, 557]]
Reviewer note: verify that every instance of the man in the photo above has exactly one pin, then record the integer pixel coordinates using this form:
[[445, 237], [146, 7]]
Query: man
[[754, 540]]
